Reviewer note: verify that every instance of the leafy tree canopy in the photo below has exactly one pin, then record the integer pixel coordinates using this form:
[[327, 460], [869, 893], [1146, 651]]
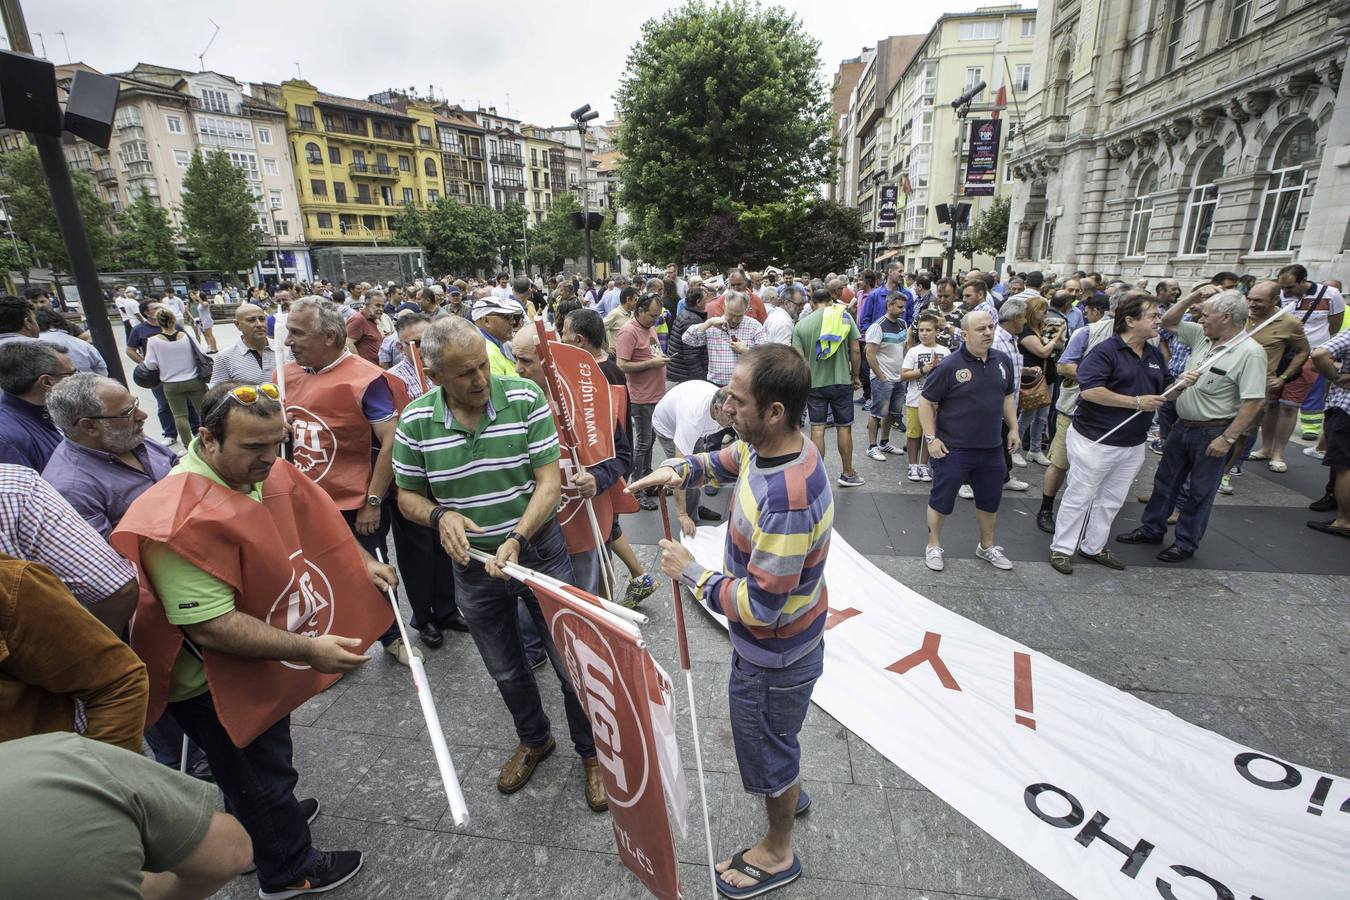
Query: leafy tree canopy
[[145, 237], [219, 219], [34, 221]]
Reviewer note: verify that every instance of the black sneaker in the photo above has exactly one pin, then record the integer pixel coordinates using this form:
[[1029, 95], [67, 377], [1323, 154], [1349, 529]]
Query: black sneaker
[[708, 515], [1325, 503], [309, 809], [335, 868]]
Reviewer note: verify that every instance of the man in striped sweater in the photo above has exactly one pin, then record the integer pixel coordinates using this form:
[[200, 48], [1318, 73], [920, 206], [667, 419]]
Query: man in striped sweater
[[772, 591]]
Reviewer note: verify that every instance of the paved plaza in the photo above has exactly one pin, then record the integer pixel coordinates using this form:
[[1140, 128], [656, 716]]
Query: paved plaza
[[1251, 639]]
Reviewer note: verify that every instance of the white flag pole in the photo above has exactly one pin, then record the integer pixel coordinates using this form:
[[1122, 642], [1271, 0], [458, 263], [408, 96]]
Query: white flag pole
[[1205, 364], [454, 795], [628, 617]]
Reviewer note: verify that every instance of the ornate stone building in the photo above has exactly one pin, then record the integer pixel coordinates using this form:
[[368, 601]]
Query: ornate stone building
[[1184, 137]]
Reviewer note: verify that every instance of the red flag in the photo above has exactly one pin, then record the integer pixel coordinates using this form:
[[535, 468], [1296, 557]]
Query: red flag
[[609, 668], [1002, 98], [583, 404], [905, 185]]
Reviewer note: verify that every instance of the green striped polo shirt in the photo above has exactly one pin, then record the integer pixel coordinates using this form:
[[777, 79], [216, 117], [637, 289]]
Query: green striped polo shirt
[[486, 475]]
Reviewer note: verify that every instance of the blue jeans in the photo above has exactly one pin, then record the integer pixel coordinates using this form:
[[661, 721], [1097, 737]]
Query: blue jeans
[[258, 782], [1185, 463], [1031, 428], [768, 707], [489, 607]]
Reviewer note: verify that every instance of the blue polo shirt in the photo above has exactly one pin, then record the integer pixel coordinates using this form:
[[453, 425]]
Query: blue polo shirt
[[27, 434], [969, 392], [1114, 366]]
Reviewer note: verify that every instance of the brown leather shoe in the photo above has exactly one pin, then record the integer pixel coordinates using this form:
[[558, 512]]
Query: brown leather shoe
[[596, 796], [520, 767]]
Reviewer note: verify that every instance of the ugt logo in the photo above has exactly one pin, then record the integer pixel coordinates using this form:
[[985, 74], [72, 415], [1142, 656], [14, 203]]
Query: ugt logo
[[314, 444], [306, 605]]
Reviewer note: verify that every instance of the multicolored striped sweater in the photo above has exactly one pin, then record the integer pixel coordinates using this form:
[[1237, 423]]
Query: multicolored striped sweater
[[778, 535]]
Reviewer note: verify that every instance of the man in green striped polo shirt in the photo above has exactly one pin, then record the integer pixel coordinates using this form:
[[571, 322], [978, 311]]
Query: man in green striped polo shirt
[[476, 459]]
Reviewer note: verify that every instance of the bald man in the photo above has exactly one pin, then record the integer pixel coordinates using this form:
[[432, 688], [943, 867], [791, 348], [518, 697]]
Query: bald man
[[251, 360]]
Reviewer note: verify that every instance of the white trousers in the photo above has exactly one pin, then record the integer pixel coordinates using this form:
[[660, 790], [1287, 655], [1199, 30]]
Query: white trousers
[[1099, 481]]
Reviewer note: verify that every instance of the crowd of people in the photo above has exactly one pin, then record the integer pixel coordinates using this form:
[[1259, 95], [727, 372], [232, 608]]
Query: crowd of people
[[422, 412]]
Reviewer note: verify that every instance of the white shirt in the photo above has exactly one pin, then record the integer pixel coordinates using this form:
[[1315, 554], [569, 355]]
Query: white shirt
[[175, 303], [174, 359], [684, 414], [129, 309], [1317, 327], [778, 326], [918, 357]]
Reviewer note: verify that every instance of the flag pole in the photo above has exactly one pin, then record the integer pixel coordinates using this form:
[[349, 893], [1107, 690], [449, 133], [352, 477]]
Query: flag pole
[[280, 330], [415, 352], [683, 641], [1204, 364], [523, 573], [454, 795]]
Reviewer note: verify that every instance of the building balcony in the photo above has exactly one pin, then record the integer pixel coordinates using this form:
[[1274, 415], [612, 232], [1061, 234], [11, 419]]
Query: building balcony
[[106, 175], [508, 159], [370, 170], [509, 185], [220, 109], [140, 169]]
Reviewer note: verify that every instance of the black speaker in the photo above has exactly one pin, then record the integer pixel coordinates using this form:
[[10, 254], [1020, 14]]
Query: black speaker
[[28, 94], [576, 220], [962, 213], [90, 107], [943, 214]]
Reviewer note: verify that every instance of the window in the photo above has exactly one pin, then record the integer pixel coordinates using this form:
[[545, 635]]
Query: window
[[334, 154], [270, 167], [1176, 18], [340, 191], [382, 161], [535, 177], [127, 117], [1022, 78], [247, 162], [974, 75], [304, 116], [1201, 203], [1240, 18], [1028, 27], [404, 163], [424, 134], [534, 156], [1141, 215], [318, 187], [174, 124], [346, 222], [1048, 239], [363, 193], [1060, 104], [979, 31], [432, 195], [274, 198], [1285, 188], [359, 159], [387, 195], [370, 222], [134, 151], [323, 220], [264, 135], [215, 101], [182, 158], [429, 166], [407, 195], [312, 154]]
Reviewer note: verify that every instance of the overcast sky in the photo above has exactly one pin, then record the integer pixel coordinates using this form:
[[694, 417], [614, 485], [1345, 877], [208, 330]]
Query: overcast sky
[[540, 58]]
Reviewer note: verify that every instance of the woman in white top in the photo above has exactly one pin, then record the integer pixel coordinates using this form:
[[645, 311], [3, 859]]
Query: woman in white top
[[201, 306], [170, 352]]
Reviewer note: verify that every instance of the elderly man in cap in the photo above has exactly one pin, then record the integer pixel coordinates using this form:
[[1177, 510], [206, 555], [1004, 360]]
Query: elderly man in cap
[[497, 319]]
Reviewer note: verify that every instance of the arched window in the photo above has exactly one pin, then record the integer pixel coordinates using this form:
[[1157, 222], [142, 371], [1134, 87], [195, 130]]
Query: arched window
[[1061, 95], [429, 165], [1200, 205], [1141, 215], [312, 154], [1285, 188]]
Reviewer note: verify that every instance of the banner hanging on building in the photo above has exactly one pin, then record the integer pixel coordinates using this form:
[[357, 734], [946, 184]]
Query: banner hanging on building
[[982, 161], [888, 211], [1107, 796], [629, 702]]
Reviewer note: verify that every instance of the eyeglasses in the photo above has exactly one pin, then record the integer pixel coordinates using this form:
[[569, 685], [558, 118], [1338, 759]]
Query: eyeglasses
[[248, 394], [129, 414], [57, 376]]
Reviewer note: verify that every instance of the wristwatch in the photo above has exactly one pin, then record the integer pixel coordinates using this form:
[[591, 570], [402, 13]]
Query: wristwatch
[[1227, 440], [519, 538], [374, 501], [929, 438]]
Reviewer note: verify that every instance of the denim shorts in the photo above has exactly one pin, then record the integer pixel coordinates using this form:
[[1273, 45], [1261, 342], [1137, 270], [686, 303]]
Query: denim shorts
[[834, 398], [768, 707], [888, 399]]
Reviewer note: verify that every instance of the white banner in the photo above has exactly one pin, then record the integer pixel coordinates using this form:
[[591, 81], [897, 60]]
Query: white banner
[[1104, 794]]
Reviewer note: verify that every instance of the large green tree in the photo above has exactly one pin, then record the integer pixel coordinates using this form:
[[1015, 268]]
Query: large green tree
[[555, 236], [30, 205], [220, 222], [722, 104], [145, 237]]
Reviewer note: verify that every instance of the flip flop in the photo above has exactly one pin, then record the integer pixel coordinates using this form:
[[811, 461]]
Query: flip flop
[[1259, 454], [1328, 528], [1276, 465], [803, 803], [764, 881]]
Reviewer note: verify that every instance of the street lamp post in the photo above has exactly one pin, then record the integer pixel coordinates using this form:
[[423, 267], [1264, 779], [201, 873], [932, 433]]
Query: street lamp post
[[581, 116]]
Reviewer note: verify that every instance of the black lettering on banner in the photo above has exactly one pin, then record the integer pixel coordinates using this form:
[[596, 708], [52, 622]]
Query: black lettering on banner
[[1135, 856], [1031, 797], [1292, 777], [1220, 891]]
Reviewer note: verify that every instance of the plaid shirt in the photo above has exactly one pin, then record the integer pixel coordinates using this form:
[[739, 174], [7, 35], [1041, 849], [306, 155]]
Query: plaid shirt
[[1339, 348], [721, 358], [408, 375], [37, 524], [1007, 343]]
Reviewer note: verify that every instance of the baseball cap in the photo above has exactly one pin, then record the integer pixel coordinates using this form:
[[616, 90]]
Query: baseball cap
[[497, 306]]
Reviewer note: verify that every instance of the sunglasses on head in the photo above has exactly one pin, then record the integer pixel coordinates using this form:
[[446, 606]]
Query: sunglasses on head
[[248, 394]]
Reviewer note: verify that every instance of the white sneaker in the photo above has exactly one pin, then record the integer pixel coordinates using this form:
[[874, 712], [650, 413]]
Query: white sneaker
[[1314, 453], [913, 474], [874, 452], [966, 492], [1016, 484], [932, 558], [1039, 458], [401, 651], [1019, 460], [888, 447], [925, 473], [994, 556]]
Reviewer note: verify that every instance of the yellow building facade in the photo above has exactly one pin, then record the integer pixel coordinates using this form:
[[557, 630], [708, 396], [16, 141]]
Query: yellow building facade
[[357, 163]]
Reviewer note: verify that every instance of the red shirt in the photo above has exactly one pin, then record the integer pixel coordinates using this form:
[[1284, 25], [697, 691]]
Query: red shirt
[[634, 344], [365, 334], [756, 311]]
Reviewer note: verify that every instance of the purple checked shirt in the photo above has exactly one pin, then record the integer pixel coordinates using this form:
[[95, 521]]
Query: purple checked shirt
[[99, 485]]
